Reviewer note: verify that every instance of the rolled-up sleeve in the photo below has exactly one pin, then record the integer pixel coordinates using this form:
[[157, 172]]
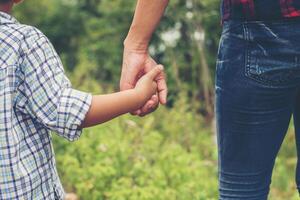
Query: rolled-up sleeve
[[46, 94]]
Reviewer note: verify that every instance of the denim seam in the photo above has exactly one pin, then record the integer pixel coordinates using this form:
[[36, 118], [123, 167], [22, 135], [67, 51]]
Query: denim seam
[[247, 56], [221, 139], [220, 123], [276, 22], [282, 21]]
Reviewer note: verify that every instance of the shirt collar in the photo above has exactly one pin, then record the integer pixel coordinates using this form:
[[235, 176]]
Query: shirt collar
[[7, 19]]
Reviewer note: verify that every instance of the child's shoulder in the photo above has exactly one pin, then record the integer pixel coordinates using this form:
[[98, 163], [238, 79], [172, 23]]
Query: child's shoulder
[[23, 38], [23, 32], [13, 32], [18, 40], [19, 33]]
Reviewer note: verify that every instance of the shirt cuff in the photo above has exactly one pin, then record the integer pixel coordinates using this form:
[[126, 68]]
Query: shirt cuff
[[73, 107]]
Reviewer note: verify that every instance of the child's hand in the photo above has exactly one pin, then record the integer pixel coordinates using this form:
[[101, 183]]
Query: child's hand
[[146, 86]]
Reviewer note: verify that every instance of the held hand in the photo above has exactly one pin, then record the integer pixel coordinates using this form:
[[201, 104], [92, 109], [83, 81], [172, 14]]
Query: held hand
[[146, 86], [135, 65]]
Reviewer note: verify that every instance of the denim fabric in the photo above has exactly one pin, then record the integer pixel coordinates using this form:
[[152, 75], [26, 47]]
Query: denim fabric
[[257, 90]]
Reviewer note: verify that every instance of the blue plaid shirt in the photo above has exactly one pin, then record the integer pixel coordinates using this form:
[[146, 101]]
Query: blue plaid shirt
[[35, 98]]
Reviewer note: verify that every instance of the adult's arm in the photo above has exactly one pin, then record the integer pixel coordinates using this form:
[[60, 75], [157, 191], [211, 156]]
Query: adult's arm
[[146, 18], [136, 59]]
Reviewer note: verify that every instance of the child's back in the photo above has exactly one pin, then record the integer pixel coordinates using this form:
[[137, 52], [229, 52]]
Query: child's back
[[35, 97]]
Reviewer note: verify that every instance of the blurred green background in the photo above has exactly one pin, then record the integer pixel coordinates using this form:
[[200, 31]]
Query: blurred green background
[[169, 155]]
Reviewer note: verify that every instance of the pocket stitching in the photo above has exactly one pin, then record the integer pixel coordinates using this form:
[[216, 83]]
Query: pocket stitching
[[248, 74]]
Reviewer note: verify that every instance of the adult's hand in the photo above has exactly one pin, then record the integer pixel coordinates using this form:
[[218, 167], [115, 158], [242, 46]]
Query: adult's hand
[[136, 60], [135, 65]]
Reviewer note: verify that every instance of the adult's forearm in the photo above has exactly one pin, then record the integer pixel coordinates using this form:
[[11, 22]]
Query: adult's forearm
[[106, 107], [147, 16]]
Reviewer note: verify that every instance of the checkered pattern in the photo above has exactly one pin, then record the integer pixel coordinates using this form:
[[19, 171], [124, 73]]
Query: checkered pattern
[[260, 9], [35, 98]]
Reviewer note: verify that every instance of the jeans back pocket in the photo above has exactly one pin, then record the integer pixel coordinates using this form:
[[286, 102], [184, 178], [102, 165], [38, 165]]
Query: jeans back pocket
[[272, 57]]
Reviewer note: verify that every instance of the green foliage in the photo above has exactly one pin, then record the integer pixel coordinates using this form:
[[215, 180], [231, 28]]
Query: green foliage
[[168, 155]]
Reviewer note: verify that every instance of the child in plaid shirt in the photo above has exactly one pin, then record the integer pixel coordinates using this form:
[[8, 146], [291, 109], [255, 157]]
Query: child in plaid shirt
[[35, 98]]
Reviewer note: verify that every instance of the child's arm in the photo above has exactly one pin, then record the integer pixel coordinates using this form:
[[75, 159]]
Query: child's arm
[[46, 95], [106, 107]]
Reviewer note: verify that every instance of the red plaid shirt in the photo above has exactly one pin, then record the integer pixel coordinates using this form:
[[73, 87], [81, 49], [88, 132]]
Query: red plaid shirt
[[260, 9]]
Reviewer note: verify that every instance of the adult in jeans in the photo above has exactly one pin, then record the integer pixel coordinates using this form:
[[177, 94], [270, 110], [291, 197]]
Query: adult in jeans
[[257, 86], [257, 90]]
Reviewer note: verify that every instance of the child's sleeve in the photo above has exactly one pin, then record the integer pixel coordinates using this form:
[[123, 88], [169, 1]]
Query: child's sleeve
[[46, 93]]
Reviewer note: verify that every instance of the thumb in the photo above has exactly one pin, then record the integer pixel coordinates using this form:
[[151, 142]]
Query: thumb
[[128, 77], [155, 72]]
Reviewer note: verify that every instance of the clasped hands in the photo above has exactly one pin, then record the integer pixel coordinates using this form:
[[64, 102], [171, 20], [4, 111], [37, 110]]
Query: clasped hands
[[135, 65]]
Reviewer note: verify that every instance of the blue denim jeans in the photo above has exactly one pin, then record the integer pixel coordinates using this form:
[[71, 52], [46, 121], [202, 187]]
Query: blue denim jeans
[[257, 91]]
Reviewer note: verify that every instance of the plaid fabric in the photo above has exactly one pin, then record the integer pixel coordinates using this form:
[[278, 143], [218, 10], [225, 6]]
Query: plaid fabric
[[35, 98], [260, 9]]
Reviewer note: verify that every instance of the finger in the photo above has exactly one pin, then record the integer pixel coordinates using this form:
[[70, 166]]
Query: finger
[[133, 113], [162, 89], [136, 112], [149, 64], [148, 111], [155, 72], [150, 106]]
